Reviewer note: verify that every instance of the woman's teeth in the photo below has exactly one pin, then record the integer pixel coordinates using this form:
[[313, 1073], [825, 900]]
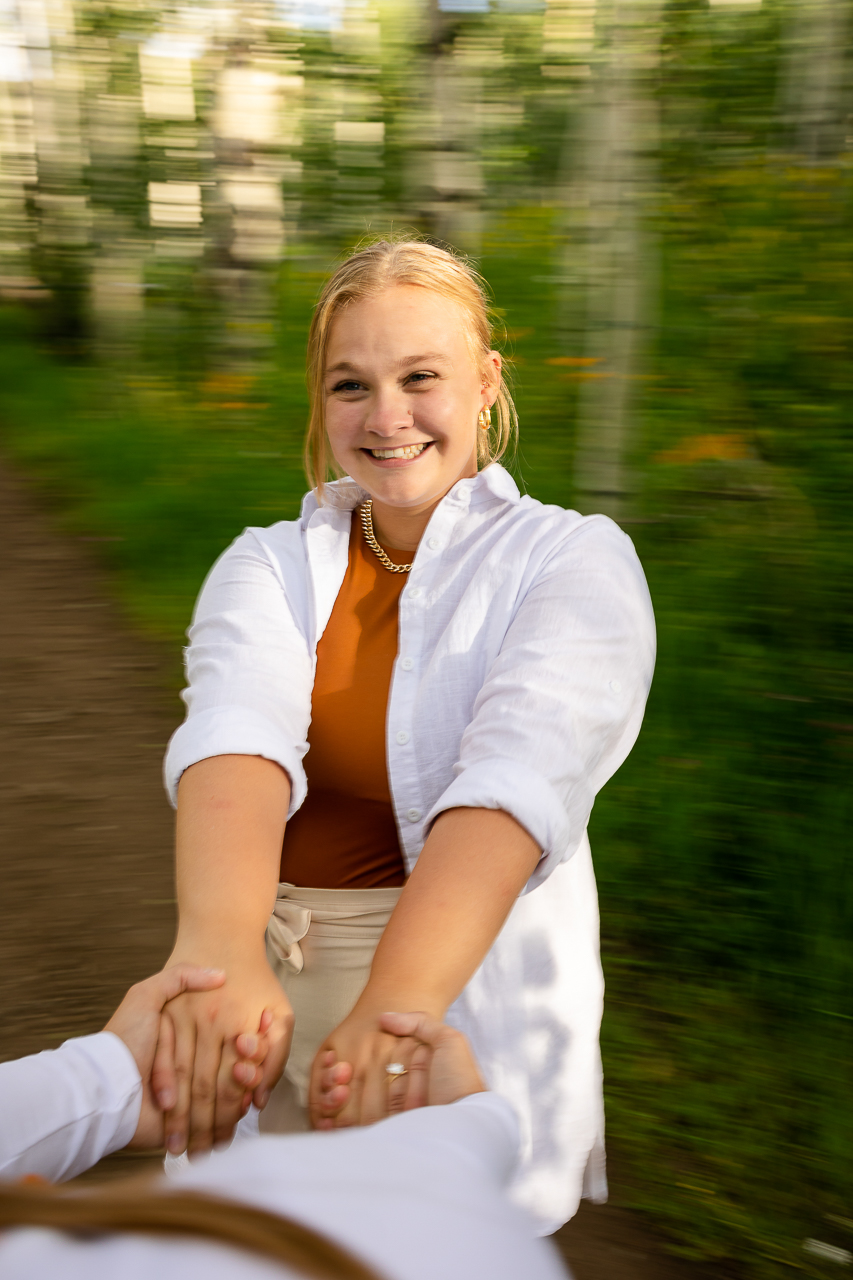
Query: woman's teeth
[[407, 451]]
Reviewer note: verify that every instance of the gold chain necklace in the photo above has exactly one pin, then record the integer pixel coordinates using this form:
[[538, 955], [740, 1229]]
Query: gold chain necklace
[[366, 513]]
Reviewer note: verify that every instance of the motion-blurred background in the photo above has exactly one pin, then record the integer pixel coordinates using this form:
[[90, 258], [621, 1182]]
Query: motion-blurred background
[[660, 195]]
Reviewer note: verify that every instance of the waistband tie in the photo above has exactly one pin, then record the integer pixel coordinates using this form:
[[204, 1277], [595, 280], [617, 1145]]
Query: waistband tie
[[287, 926]]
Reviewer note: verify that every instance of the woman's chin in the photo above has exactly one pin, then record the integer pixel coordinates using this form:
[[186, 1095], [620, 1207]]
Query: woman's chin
[[404, 486]]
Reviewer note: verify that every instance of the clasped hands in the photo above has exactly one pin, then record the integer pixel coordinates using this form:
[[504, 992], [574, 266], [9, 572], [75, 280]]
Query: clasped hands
[[207, 1045]]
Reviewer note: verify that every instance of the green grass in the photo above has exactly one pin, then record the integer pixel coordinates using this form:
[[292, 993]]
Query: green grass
[[723, 846]]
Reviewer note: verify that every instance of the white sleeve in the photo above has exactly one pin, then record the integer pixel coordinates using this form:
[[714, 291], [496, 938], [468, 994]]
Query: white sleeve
[[61, 1111], [562, 704], [480, 1132], [249, 672]]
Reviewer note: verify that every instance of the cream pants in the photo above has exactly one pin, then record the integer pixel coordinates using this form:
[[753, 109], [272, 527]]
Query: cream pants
[[320, 944]]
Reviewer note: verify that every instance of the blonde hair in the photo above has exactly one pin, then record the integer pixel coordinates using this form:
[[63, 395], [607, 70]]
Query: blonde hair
[[368, 272], [128, 1207]]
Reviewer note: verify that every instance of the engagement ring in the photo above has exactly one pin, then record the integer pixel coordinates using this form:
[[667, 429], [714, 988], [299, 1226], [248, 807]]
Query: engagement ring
[[395, 1069]]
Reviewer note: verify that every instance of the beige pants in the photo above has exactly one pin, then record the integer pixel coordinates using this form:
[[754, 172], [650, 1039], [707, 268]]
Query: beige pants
[[320, 944]]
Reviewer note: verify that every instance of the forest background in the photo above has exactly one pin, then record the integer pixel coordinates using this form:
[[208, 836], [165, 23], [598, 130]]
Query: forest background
[[660, 195]]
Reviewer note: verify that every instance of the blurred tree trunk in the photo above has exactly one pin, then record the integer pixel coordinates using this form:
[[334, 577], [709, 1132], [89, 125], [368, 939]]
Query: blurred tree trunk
[[614, 171], [815, 99], [445, 169], [61, 205]]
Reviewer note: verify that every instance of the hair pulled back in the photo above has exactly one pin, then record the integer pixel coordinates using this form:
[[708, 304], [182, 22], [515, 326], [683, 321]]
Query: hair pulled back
[[369, 271]]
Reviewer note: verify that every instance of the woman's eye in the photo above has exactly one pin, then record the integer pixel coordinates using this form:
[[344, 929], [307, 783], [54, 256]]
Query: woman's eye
[[349, 385], [420, 377]]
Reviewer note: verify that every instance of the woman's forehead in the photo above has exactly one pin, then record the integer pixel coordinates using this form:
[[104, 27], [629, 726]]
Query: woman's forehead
[[399, 324]]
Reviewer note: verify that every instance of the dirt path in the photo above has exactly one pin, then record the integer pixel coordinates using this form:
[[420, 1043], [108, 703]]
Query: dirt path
[[86, 833]]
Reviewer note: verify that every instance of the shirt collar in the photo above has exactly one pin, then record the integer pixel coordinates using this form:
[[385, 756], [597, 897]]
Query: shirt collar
[[345, 495]]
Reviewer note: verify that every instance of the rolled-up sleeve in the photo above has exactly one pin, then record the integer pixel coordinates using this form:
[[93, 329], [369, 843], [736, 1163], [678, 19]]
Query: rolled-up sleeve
[[249, 672], [563, 701]]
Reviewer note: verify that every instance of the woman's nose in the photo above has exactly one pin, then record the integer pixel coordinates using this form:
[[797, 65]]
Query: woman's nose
[[388, 413]]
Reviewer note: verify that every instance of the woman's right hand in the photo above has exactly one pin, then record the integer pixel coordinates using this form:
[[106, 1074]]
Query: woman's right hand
[[192, 1076]]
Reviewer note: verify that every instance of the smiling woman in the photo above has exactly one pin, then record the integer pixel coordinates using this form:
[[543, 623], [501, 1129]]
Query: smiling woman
[[400, 709]]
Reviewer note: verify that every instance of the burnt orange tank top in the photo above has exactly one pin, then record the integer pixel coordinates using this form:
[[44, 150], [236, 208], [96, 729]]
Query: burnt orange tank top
[[345, 835]]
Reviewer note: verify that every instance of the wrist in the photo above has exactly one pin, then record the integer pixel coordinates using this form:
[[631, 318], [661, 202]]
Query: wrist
[[228, 953], [381, 997]]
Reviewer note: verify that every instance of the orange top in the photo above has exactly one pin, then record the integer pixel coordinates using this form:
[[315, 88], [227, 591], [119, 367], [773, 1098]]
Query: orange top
[[345, 835]]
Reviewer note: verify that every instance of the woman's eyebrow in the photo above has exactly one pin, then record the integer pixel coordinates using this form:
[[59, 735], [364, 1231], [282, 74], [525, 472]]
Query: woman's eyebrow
[[428, 357]]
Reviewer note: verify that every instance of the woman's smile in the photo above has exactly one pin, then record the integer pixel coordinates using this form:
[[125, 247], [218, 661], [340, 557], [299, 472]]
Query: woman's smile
[[398, 455]]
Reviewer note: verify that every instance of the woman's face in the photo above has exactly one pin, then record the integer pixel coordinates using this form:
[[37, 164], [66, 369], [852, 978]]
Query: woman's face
[[403, 393]]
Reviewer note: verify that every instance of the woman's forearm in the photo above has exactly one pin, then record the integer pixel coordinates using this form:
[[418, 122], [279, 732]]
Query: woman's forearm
[[471, 870], [231, 816]]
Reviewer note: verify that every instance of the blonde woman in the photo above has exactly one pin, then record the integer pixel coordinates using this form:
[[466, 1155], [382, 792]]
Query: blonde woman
[[400, 709]]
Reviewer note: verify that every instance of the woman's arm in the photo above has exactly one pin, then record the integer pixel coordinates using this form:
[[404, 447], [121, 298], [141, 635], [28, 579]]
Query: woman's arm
[[472, 868], [231, 816]]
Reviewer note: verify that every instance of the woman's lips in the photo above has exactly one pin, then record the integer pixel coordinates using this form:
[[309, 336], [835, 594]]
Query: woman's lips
[[403, 456]]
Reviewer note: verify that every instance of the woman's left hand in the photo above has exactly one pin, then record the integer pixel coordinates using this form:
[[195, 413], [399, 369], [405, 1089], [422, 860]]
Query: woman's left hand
[[356, 1055]]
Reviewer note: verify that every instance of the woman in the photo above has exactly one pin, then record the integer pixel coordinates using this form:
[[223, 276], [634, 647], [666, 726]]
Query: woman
[[468, 667]]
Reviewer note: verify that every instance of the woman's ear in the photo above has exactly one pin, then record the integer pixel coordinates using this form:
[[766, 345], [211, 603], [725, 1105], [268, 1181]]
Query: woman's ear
[[492, 375]]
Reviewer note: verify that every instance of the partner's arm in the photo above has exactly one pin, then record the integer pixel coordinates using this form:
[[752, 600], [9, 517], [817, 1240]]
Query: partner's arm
[[63, 1110], [231, 816], [471, 870]]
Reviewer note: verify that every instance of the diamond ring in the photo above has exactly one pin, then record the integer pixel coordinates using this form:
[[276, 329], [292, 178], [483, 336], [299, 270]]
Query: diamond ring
[[395, 1070]]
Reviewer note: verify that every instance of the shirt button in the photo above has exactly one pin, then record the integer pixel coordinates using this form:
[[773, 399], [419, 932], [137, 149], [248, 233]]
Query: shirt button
[[402, 737], [414, 592], [414, 815], [433, 544], [407, 664], [616, 686]]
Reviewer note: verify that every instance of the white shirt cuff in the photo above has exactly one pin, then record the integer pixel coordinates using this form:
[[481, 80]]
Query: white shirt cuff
[[237, 731], [523, 793]]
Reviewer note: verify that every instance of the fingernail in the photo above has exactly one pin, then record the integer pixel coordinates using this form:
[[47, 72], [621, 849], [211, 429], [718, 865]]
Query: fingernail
[[265, 1097], [174, 1144], [250, 1045], [214, 973], [166, 1099]]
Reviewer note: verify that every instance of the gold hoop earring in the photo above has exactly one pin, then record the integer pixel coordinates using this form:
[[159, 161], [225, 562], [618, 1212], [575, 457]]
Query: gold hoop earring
[[484, 419]]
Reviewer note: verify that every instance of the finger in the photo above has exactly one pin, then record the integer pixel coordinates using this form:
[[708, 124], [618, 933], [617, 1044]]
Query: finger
[[382, 1090], [323, 1059], [279, 1035], [418, 1078], [177, 1119], [375, 1090], [421, 1026], [163, 1084], [342, 1109], [229, 1096], [247, 1074], [340, 1073], [397, 1087], [334, 1090], [251, 1048], [171, 982], [202, 1110], [333, 1102]]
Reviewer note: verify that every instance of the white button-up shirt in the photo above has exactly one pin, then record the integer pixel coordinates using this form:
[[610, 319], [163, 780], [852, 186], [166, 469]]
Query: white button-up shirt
[[525, 656]]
